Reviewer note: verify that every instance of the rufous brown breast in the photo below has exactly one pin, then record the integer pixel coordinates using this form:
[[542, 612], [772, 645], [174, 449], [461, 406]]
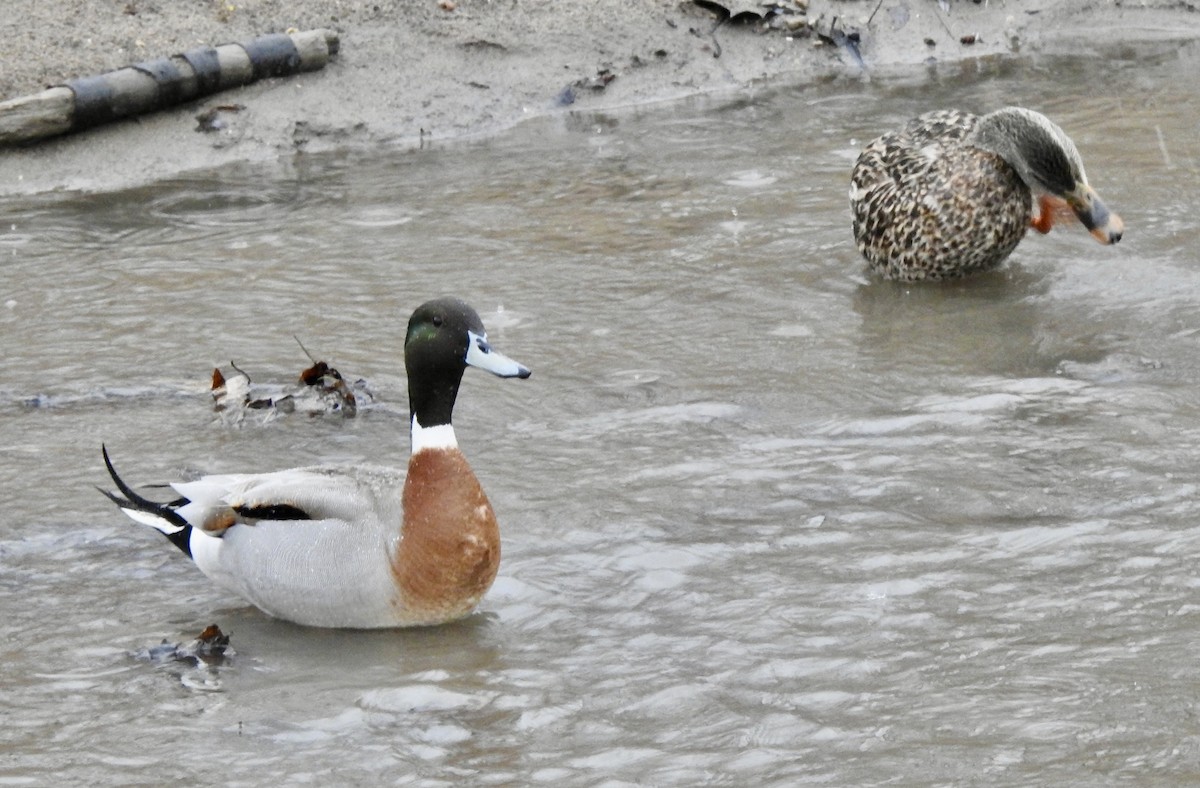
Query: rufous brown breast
[[449, 550]]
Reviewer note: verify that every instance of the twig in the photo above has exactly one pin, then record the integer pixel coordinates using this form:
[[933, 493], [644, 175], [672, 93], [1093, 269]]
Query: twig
[[302, 347], [873, 13], [713, 35], [1162, 146], [945, 26]]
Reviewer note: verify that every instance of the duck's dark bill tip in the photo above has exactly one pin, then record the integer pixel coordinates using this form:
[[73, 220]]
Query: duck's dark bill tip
[[483, 356], [503, 367], [515, 370], [1110, 232]]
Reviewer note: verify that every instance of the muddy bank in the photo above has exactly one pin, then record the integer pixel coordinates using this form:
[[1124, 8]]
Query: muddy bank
[[412, 73]]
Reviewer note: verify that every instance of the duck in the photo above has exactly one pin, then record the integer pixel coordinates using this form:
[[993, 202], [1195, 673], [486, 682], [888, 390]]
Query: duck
[[953, 193], [355, 546]]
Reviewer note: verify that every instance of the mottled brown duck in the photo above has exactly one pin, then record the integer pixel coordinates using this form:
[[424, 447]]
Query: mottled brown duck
[[953, 193]]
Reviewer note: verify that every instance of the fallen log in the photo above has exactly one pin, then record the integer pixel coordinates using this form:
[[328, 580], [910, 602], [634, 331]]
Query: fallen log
[[160, 83]]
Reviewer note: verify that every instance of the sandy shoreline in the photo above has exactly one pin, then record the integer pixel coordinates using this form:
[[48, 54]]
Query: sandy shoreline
[[413, 71]]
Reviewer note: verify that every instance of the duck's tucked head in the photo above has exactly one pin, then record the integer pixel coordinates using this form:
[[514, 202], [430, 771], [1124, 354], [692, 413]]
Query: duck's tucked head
[[1049, 163], [445, 336]]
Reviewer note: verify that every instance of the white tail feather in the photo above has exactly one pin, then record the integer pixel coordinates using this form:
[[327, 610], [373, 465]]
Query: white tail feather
[[152, 520]]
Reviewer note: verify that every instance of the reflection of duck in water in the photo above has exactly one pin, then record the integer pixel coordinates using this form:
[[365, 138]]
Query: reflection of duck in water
[[950, 193]]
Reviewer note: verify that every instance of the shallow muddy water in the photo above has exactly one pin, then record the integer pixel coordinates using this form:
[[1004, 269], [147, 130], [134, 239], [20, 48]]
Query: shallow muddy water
[[766, 520]]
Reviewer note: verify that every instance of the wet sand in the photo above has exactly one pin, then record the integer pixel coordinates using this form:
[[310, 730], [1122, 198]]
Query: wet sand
[[413, 73]]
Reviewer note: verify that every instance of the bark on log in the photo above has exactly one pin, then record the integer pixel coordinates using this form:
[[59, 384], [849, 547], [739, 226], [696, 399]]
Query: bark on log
[[164, 82]]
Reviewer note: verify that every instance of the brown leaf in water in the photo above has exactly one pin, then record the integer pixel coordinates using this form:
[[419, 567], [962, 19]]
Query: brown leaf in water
[[212, 635], [312, 376]]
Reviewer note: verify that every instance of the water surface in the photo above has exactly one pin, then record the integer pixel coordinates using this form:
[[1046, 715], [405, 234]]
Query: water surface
[[766, 520]]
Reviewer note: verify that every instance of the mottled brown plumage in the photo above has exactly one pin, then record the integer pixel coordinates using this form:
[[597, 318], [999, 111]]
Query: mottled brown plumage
[[951, 192]]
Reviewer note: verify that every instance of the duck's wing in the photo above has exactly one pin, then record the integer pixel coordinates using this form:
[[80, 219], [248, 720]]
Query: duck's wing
[[904, 159], [216, 503]]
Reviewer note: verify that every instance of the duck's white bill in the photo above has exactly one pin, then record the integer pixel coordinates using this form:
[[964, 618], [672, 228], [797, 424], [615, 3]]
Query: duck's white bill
[[480, 354]]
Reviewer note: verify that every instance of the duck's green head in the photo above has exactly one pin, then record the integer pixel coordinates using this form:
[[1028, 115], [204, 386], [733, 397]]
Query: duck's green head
[[1048, 162], [445, 336]]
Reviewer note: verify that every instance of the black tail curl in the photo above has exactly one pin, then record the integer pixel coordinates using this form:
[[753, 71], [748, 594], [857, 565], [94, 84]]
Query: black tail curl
[[180, 536]]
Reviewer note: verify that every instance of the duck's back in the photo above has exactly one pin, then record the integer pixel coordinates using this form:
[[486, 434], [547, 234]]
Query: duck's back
[[926, 205]]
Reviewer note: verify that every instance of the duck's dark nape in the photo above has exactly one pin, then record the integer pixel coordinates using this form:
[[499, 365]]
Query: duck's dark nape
[[179, 536]]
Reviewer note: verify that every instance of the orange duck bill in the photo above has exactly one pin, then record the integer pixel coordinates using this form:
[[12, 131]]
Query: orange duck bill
[[1104, 225]]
